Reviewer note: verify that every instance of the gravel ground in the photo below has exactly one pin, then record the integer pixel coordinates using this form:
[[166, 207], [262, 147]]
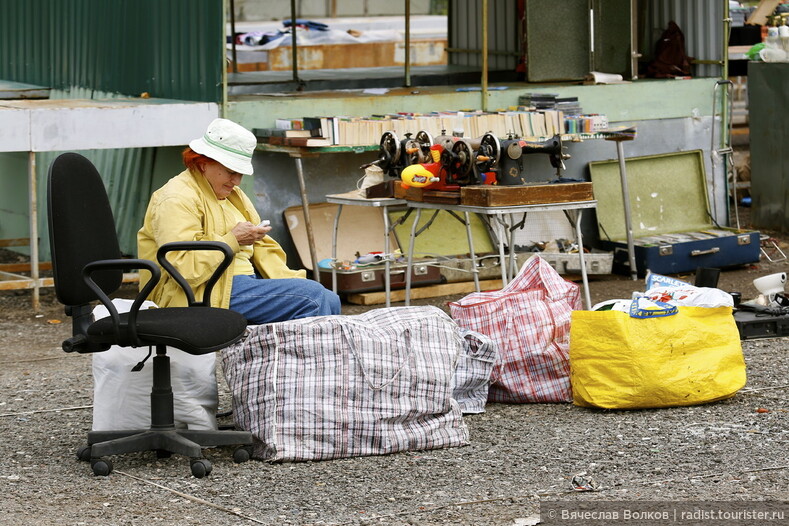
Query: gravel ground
[[519, 457]]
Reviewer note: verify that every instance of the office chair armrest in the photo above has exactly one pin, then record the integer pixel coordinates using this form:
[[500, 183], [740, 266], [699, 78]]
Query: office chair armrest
[[127, 337], [161, 256]]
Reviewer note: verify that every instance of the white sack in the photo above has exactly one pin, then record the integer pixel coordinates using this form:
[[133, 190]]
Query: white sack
[[122, 398]]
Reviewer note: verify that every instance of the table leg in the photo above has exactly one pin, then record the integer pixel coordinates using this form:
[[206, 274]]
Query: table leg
[[334, 249], [474, 268], [387, 264], [32, 191], [410, 264], [305, 204], [511, 259], [631, 252], [503, 262], [574, 216]]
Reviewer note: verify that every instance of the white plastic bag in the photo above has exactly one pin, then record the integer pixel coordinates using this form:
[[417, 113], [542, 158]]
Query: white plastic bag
[[122, 398], [690, 296]]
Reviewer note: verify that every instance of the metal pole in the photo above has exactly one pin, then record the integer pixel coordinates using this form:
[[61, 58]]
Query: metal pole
[[577, 214], [334, 249], [233, 34], [500, 233], [410, 265], [471, 253], [293, 49], [631, 252], [484, 55], [33, 216], [407, 43], [387, 264], [305, 205]]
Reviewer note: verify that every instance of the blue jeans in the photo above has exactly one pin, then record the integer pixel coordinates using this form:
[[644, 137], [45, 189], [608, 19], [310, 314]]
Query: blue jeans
[[271, 300]]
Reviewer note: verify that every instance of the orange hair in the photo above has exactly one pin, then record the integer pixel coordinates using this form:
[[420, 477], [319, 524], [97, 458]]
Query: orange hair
[[192, 159]]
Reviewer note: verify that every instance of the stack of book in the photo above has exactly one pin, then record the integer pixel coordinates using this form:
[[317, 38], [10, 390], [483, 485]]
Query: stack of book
[[294, 132], [524, 121], [538, 101], [568, 105]]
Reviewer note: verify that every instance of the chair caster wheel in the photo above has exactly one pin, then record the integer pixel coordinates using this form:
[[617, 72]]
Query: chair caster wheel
[[201, 467], [242, 454], [101, 467], [83, 453]]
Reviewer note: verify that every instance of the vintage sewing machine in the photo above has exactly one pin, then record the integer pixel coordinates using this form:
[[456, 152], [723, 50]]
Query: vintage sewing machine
[[504, 157], [394, 153], [490, 160], [453, 164]]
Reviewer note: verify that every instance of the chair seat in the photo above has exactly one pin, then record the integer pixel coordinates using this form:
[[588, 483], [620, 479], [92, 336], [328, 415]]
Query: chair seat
[[195, 330]]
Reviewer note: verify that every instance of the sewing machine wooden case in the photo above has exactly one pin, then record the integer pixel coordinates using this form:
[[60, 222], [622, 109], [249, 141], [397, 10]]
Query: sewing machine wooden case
[[672, 229]]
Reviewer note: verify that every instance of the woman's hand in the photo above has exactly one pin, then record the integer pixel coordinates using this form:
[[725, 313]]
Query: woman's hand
[[246, 233]]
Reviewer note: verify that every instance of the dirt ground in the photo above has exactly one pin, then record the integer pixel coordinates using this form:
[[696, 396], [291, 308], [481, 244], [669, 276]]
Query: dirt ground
[[521, 458]]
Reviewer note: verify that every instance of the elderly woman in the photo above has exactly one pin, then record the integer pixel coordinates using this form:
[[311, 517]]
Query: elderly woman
[[204, 202]]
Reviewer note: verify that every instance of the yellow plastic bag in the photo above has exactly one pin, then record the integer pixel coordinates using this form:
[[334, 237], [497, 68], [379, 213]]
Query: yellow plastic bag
[[620, 362]]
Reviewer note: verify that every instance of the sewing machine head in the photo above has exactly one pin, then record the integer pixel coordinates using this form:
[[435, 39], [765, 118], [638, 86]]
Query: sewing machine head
[[394, 153], [508, 154]]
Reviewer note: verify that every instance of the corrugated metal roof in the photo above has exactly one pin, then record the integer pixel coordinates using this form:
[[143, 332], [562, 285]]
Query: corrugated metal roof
[[172, 49]]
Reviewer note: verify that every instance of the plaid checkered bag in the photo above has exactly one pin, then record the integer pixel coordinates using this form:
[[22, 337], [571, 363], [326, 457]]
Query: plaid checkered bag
[[472, 375], [341, 386], [529, 320]]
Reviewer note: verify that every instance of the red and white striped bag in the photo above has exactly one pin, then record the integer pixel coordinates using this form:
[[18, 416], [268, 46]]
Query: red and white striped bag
[[529, 320]]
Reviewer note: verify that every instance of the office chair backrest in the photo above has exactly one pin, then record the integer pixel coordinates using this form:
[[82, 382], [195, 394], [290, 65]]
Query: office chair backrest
[[81, 228]]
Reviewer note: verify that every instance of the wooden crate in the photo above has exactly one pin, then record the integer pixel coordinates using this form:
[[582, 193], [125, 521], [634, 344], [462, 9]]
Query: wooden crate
[[526, 194]]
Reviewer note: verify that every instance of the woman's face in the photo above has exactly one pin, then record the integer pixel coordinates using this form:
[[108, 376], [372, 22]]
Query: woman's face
[[220, 178]]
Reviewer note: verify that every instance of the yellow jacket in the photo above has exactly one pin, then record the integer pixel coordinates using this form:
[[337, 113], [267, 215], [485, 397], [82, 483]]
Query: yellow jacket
[[186, 209]]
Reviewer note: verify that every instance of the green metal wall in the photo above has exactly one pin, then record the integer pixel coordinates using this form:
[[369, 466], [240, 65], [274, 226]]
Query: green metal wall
[[768, 99], [170, 49]]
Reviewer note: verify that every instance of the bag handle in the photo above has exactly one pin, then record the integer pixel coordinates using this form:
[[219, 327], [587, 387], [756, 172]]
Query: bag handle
[[536, 272], [352, 346], [651, 309]]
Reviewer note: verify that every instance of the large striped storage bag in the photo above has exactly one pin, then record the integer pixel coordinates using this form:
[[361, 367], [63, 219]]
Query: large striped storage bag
[[340, 386]]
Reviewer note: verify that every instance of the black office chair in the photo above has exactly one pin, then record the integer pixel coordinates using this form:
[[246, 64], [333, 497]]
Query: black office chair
[[88, 266]]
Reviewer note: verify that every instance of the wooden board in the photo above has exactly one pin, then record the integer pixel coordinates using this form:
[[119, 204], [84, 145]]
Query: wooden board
[[423, 195], [385, 189], [527, 194], [430, 291], [762, 11], [423, 52]]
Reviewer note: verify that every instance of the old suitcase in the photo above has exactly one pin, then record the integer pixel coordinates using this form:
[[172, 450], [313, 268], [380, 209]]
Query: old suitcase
[[360, 231], [670, 218], [372, 278]]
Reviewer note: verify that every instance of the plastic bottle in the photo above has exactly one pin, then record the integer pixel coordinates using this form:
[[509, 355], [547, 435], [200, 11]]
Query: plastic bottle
[[773, 40], [773, 48], [783, 35]]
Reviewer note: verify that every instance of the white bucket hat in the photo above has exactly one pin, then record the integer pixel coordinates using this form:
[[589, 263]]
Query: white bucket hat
[[229, 144]]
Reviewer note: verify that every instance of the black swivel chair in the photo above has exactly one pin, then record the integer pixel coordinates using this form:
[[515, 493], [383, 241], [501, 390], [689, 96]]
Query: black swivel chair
[[87, 266]]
